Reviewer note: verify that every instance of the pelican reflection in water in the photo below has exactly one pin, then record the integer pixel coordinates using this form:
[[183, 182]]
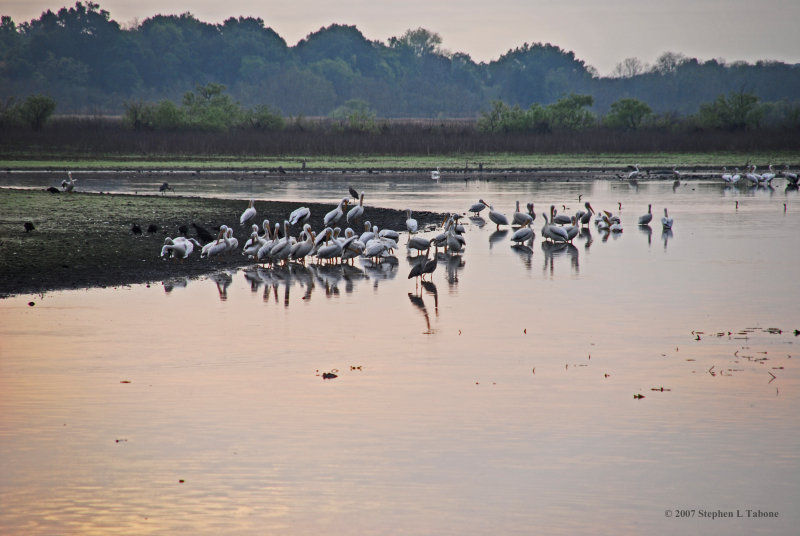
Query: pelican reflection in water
[[552, 250], [666, 234], [648, 232], [223, 281]]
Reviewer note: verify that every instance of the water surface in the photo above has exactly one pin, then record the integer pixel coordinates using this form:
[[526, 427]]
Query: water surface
[[499, 399]]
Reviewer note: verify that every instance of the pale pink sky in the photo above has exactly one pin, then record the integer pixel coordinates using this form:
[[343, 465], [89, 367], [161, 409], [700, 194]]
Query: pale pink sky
[[600, 33]]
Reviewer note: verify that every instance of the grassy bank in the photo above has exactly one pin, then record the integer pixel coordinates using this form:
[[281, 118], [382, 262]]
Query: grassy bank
[[85, 240], [473, 162]]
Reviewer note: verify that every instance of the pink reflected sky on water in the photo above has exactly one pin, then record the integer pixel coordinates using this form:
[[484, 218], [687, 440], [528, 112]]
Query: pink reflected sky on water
[[445, 428]]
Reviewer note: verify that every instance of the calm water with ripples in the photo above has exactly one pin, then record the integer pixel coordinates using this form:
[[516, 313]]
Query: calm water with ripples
[[500, 397]]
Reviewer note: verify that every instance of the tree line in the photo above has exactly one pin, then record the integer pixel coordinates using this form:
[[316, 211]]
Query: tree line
[[90, 64]]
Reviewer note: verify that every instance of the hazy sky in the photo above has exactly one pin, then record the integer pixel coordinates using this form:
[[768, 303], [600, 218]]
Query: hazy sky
[[602, 33]]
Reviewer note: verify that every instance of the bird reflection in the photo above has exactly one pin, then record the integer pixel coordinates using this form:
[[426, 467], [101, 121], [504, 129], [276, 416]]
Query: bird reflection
[[647, 231], [453, 263], [175, 283], [586, 234], [430, 288], [497, 236], [379, 271], [223, 281], [666, 234], [252, 277], [477, 221], [419, 303], [525, 253], [552, 250]]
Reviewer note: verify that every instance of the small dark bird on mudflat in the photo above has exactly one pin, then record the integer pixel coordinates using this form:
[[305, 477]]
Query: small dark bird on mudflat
[[152, 228], [183, 230], [203, 233], [281, 170], [135, 229], [164, 187], [29, 227], [54, 190]]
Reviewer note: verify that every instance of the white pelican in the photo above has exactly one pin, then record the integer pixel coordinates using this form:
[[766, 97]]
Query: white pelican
[[573, 229], [522, 234], [355, 213], [766, 178], [645, 219], [216, 247], [419, 244], [727, 177], [586, 217], [666, 221], [68, 184], [376, 248], [252, 245], [264, 251], [435, 174], [553, 232], [791, 177], [334, 249], [560, 219], [336, 214], [248, 214], [252, 238], [231, 242], [521, 218], [390, 234], [411, 223], [751, 176], [369, 232], [299, 215], [280, 250], [300, 250], [353, 250], [454, 245], [531, 211], [179, 248], [498, 218], [635, 173], [477, 208]]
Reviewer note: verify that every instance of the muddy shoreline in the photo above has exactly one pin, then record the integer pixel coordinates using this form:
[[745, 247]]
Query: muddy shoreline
[[84, 240]]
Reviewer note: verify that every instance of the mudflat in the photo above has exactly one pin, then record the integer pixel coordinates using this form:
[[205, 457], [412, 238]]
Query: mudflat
[[82, 240]]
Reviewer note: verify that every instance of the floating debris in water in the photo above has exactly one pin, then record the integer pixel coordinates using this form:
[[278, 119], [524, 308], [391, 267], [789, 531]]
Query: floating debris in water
[[31, 304], [662, 389], [638, 396]]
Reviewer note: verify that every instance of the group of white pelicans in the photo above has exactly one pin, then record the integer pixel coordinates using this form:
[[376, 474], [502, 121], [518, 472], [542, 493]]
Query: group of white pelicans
[[751, 178], [268, 246]]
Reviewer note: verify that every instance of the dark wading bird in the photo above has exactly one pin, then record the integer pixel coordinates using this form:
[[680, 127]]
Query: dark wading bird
[[29, 227], [203, 234], [135, 229], [164, 187]]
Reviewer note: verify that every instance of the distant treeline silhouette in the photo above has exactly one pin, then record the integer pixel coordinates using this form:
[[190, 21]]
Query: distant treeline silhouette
[[104, 137], [89, 64]]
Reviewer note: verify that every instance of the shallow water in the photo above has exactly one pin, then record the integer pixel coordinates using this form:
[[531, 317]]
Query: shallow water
[[500, 399]]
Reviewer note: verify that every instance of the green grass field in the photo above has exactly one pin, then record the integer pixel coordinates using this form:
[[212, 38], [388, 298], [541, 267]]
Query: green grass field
[[489, 161]]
